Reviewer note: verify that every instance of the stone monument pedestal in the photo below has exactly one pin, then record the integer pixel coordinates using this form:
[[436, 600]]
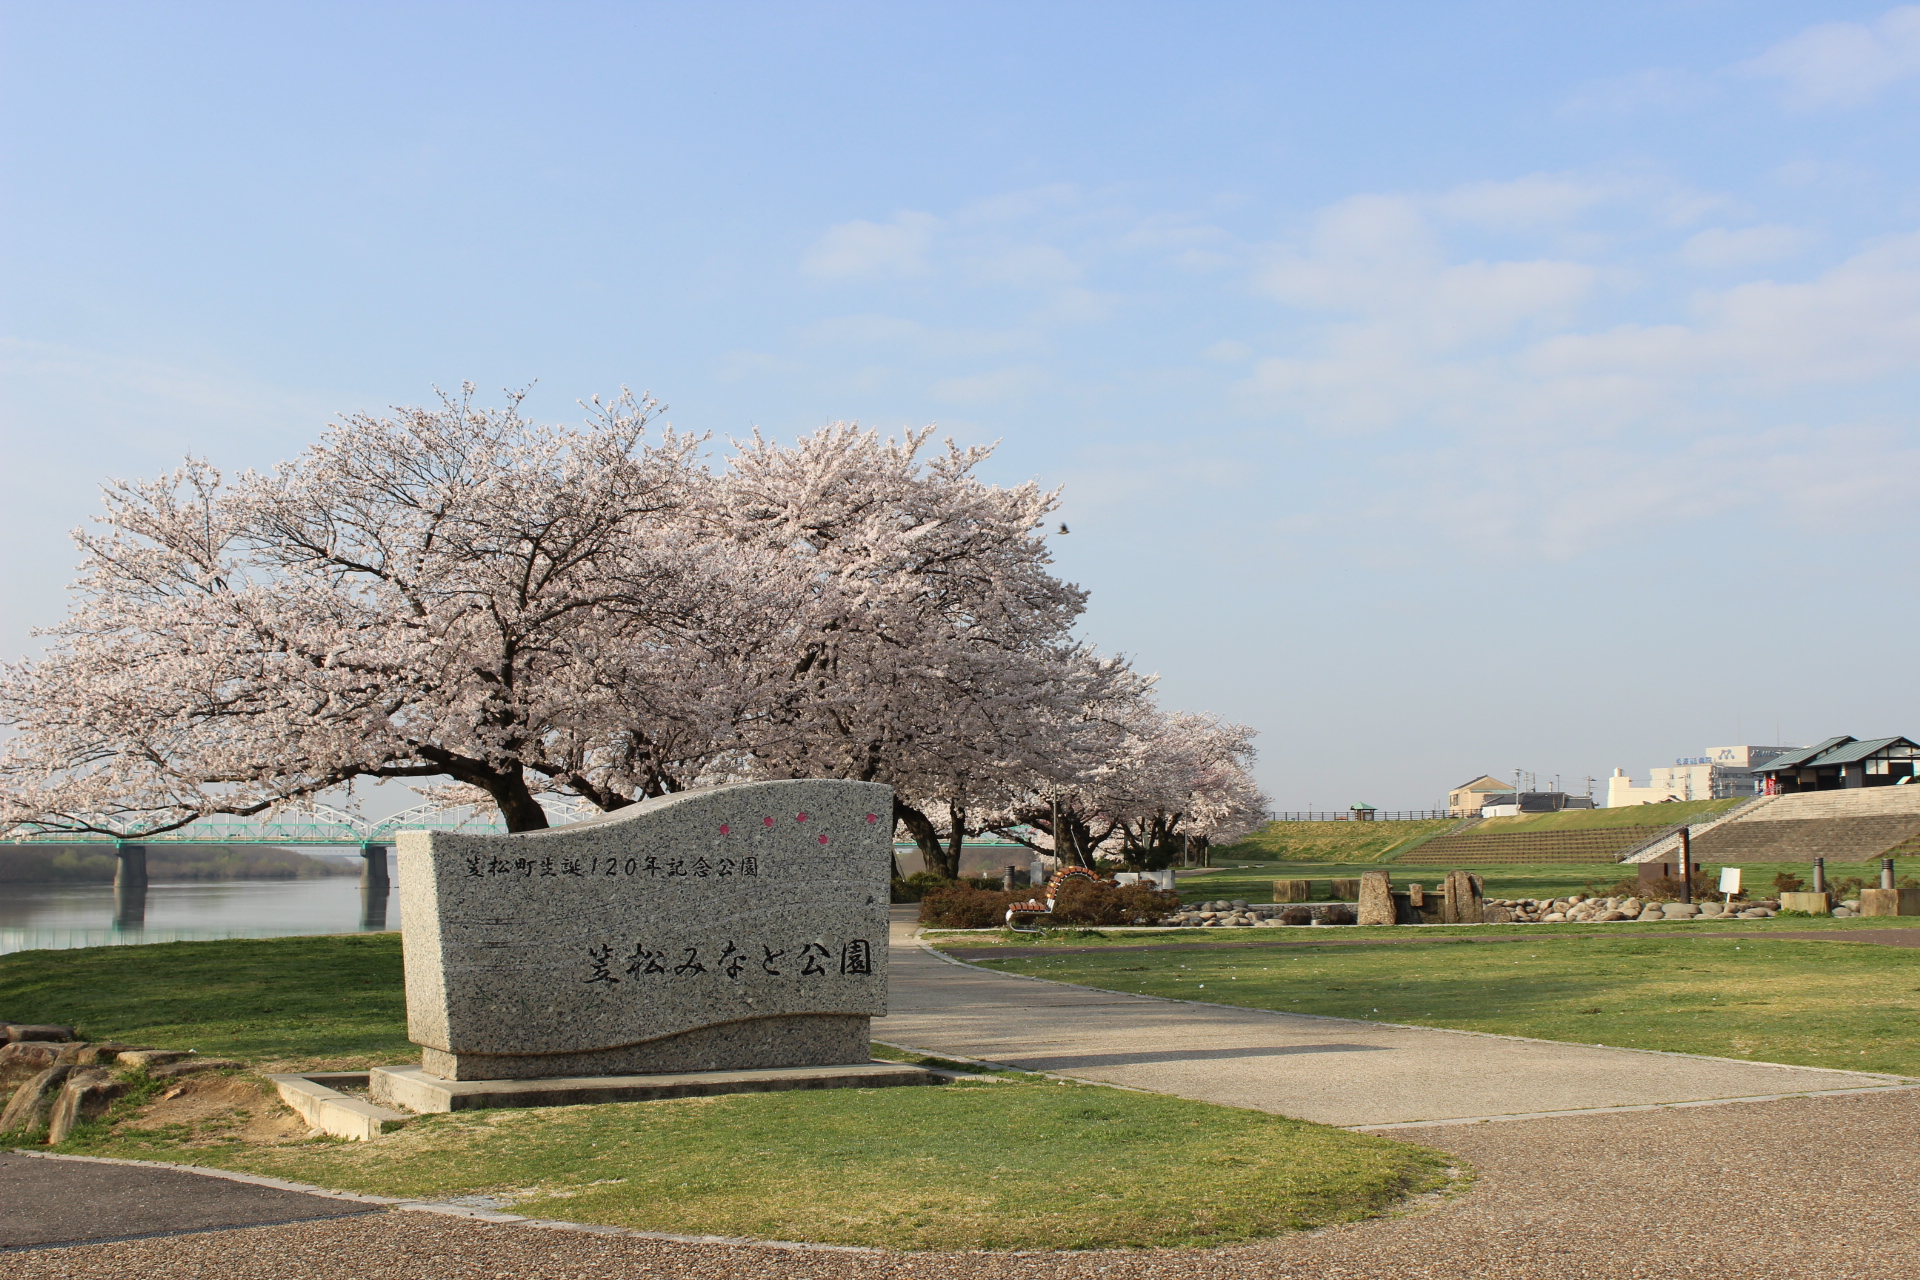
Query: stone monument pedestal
[[414, 1089]]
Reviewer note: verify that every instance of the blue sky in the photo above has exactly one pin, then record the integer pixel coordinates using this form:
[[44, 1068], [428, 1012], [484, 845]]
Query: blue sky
[[1440, 389]]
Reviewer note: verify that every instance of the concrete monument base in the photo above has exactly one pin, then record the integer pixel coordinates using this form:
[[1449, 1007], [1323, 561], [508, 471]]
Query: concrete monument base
[[783, 1040], [413, 1089]]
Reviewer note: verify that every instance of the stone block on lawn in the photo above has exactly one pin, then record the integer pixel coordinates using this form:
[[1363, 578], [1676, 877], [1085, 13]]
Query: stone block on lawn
[[1344, 889], [1376, 898], [1816, 904], [1293, 891], [728, 928], [1463, 904], [1890, 902], [18, 1031]]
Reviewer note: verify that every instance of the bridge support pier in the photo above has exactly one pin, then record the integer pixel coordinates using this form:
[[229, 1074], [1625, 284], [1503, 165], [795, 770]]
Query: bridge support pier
[[129, 886], [374, 887], [373, 869]]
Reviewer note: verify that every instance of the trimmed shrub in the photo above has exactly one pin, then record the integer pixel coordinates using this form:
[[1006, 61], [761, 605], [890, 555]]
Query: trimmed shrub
[[1104, 902], [918, 885], [961, 906]]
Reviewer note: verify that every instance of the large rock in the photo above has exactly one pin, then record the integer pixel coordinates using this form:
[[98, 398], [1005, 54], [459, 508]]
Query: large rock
[[18, 1031], [1376, 898], [106, 1051], [87, 1093], [729, 928], [1463, 905], [31, 1103], [37, 1054], [148, 1059]]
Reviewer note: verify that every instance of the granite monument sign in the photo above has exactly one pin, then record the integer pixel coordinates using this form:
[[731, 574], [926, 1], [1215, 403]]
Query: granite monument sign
[[726, 929]]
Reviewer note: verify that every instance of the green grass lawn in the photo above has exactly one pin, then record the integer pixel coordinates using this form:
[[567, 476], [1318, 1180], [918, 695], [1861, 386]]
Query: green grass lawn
[[285, 1003], [1016, 1162], [1759, 995], [1342, 842]]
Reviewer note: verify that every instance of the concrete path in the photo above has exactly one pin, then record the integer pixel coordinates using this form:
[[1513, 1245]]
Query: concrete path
[[1334, 1071], [52, 1202]]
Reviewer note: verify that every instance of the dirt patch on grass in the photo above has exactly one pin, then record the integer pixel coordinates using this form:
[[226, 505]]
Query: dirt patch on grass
[[220, 1108]]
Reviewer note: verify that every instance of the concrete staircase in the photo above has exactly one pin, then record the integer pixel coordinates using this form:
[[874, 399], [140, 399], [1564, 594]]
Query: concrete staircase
[[1584, 844], [1841, 826], [1667, 847]]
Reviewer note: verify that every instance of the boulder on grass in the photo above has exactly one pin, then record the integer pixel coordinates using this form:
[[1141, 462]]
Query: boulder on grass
[[32, 1102], [148, 1059], [88, 1092], [17, 1031]]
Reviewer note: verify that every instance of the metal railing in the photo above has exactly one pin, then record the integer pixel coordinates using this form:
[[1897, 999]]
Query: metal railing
[[1374, 815]]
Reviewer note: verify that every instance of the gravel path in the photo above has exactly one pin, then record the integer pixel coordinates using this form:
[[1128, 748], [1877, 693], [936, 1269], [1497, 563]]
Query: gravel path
[[1806, 1189], [1330, 1070]]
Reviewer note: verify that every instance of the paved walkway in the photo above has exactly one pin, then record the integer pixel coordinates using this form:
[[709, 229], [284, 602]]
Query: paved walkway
[[1357, 1074], [46, 1202]]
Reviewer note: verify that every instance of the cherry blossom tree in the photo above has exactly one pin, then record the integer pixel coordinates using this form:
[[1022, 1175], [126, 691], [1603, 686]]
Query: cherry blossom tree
[[452, 591], [916, 634], [1173, 781]]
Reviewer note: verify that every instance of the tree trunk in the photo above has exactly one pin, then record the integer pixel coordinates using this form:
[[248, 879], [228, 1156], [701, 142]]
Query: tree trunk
[[956, 838], [920, 827], [517, 805]]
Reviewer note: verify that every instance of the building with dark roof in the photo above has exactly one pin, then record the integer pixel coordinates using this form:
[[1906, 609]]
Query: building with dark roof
[[1841, 763]]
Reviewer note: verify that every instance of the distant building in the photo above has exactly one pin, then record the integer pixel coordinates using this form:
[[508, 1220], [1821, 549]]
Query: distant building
[[1469, 798], [1513, 805], [1722, 773], [1841, 763]]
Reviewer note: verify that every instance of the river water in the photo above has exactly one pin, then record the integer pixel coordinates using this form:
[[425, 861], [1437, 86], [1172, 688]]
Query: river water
[[59, 916]]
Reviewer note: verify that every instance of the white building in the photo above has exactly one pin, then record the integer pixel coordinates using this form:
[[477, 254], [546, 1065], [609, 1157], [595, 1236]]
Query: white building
[[1721, 773]]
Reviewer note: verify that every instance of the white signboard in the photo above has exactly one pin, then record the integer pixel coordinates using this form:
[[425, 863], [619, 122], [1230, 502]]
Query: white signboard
[[1729, 879]]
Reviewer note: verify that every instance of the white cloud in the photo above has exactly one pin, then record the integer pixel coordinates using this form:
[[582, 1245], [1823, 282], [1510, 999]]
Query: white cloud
[[1504, 420], [1722, 247], [996, 386], [863, 250], [1538, 199], [1377, 256], [1844, 64]]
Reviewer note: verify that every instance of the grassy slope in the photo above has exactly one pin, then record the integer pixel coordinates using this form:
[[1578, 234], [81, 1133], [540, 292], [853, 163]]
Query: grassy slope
[[1754, 995], [1330, 841], [1023, 1164], [328, 1000]]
